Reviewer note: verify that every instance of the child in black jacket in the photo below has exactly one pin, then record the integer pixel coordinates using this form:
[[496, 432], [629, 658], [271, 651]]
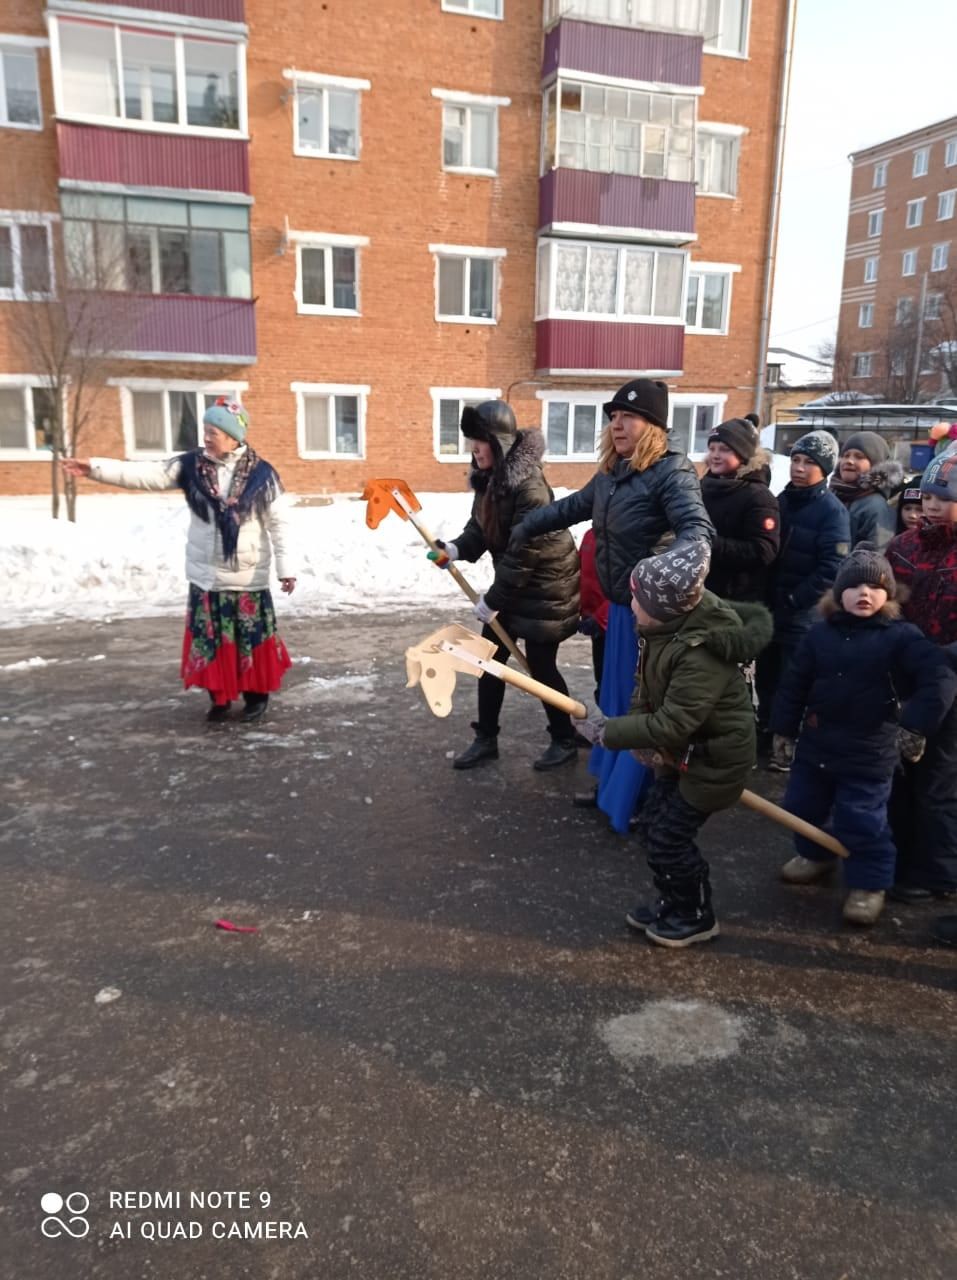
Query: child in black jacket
[[864, 688]]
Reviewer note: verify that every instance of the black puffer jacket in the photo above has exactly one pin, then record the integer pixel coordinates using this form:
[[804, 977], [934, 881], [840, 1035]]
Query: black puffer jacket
[[815, 538], [536, 586], [630, 511], [747, 524]]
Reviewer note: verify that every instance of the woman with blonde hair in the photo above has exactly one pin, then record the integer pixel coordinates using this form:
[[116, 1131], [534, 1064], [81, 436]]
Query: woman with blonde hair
[[643, 496]]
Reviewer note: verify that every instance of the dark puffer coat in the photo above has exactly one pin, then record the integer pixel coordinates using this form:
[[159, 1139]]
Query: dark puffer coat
[[852, 682], [747, 524], [924, 561], [630, 511], [815, 537], [536, 586], [871, 515]]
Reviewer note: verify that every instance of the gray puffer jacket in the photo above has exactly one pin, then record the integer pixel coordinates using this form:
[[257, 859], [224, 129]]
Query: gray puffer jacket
[[631, 511]]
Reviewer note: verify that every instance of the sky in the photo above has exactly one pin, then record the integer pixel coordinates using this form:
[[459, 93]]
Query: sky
[[864, 71]]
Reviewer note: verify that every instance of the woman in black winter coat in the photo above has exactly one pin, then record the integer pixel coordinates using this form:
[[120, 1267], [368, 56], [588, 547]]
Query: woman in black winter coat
[[535, 591], [743, 511]]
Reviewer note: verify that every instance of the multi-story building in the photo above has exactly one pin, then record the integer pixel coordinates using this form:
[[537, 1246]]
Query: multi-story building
[[900, 267], [360, 216]]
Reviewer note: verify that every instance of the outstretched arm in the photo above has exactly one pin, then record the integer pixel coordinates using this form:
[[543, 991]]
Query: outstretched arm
[[161, 474]]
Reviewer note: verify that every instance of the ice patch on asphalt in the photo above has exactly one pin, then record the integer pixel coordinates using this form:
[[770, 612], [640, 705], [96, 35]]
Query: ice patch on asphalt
[[674, 1033]]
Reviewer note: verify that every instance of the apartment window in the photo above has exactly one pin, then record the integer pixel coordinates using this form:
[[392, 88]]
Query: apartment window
[[160, 419], [945, 205], [716, 163], [880, 174], [725, 24], [915, 212], [870, 270], [327, 116], [327, 275], [466, 284], [604, 129], [26, 418], [610, 281], [921, 161], [709, 300], [469, 137], [572, 428], [19, 87], [157, 246], [939, 256], [909, 262], [875, 222], [865, 316], [904, 310], [475, 8], [898, 364], [330, 420], [773, 375], [950, 153], [863, 364], [933, 305], [447, 404], [693, 418], [103, 71], [26, 265]]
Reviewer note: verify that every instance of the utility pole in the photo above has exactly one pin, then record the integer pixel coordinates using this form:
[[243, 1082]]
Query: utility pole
[[918, 352]]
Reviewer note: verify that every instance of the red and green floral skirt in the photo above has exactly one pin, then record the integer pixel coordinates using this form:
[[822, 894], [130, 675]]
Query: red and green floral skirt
[[231, 646]]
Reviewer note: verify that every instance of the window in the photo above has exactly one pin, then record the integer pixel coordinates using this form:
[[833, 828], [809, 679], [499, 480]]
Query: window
[[609, 281], [880, 174], [162, 418], [327, 116], [156, 246], [330, 420], [921, 160], [449, 444], [945, 205], [904, 310], [477, 8], [870, 270], [26, 418], [865, 316], [469, 137], [933, 304], [863, 365], [909, 262], [110, 72], [773, 375], [716, 163], [605, 129], [466, 284], [26, 265], [939, 257], [950, 153], [327, 274], [19, 87], [915, 212], [693, 418], [875, 222], [725, 25], [709, 300], [572, 428]]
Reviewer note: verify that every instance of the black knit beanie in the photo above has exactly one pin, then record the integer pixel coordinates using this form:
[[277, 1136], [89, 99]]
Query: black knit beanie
[[739, 434]]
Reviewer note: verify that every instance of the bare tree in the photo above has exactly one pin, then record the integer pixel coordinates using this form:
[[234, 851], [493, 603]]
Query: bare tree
[[941, 326]]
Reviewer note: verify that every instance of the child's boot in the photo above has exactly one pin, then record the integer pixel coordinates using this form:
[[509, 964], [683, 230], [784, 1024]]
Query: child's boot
[[805, 870], [689, 919], [647, 913], [863, 906]]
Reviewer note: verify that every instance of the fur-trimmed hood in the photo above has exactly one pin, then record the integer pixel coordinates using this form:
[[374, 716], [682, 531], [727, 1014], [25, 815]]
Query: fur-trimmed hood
[[828, 608], [755, 471], [510, 472]]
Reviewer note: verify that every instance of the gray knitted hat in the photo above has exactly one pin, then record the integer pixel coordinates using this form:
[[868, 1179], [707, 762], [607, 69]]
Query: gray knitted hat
[[865, 564], [820, 447], [672, 583], [873, 446]]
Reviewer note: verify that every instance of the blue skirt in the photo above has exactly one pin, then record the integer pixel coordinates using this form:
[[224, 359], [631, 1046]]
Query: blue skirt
[[622, 781]]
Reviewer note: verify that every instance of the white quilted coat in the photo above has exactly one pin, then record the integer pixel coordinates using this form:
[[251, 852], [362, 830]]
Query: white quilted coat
[[259, 539]]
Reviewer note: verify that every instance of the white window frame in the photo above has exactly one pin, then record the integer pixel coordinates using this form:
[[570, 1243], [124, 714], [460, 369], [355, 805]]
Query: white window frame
[[870, 270], [726, 269], [875, 223], [903, 310], [950, 153], [469, 102], [880, 174], [921, 163], [178, 33], [15, 219], [909, 259], [21, 45], [692, 400], [710, 131], [863, 364], [940, 256], [440, 251], [915, 212], [946, 201], [865, 316], [126, 388], [464, 395], [618, 317], [27, 383], [741, 53], [326, 241], [932, 306], [313, 82], [573, 398], [466, 8], [329, 390]]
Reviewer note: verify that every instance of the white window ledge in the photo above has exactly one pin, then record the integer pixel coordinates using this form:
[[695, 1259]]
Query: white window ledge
[[466, 251], [465, 320], [470, 99], [324, 81]]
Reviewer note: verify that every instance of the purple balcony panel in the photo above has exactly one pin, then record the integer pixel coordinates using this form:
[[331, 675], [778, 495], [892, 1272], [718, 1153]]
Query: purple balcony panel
[[583, 346], [215, 10], [171, 326], [657, 56], [616, 200], [89, 153]]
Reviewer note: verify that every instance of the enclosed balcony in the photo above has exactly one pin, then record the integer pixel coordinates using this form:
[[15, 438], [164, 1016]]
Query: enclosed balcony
[[651, 57], [92, 153], [722, 24], [166, 327]]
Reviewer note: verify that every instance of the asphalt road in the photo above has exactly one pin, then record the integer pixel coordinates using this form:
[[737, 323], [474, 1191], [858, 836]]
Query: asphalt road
[[443, 1054]]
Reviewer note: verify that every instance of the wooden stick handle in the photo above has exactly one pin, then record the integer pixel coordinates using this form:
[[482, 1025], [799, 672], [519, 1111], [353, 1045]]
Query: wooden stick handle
[[790, 820], [521, 681]]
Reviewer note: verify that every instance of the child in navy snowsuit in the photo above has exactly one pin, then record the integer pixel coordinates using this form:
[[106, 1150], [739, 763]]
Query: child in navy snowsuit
[[863, 689]]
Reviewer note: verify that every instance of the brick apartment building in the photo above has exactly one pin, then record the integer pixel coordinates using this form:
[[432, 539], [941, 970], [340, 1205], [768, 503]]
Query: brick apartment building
[[359, 214], [900, 266]]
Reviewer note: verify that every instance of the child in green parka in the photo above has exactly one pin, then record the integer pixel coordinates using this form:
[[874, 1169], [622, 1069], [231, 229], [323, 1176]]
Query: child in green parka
[[692, 718]]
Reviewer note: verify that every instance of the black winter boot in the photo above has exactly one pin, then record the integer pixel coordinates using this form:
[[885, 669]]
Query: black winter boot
[[217, 714], [255, 708], [648, 913], [690, 917], [485, 747], [559, 751]]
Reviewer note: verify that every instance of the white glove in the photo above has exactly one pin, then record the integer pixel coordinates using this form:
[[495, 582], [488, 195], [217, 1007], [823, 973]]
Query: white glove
[[592, 728], [483, 612], [446, 553]]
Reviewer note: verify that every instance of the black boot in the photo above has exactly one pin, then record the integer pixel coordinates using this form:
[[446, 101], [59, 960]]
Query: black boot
[[649, 913], [559, 751], [255, 709], [690, 917], [485, 747], [217, 714]]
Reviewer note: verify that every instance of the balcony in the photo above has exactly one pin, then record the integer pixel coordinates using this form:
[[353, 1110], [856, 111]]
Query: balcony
[[652, 57], [92, 153], [211, 10], [616, 204], [169, 326], [595, 346]]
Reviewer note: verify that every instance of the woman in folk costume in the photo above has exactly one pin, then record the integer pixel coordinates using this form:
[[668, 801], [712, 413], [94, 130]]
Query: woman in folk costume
[[238, 522]]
